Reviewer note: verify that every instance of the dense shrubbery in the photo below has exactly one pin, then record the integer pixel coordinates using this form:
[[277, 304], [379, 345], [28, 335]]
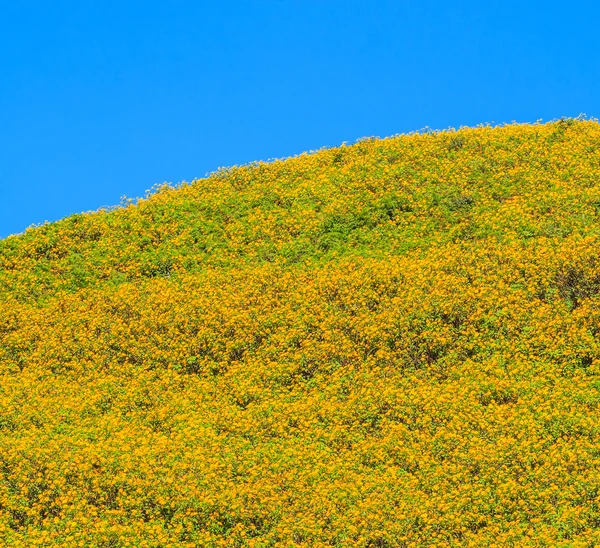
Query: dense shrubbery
[[388, 344]]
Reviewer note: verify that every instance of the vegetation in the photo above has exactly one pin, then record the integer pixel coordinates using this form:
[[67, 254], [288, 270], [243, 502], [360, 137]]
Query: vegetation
[[389, 344]]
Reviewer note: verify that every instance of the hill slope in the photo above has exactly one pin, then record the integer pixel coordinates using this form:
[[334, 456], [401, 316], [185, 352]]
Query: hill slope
[[388, 344]]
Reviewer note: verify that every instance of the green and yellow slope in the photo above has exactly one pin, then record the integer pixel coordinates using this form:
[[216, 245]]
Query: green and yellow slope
[[388, 344]]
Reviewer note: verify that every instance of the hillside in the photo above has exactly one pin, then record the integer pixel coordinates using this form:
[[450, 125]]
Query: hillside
[[389, 344]]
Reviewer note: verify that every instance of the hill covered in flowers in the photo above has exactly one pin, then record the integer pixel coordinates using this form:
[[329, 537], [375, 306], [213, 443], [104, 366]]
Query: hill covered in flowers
[[390, 344]]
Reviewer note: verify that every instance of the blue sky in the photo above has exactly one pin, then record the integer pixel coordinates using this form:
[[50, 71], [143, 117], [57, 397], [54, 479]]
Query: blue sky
[[100, 99]]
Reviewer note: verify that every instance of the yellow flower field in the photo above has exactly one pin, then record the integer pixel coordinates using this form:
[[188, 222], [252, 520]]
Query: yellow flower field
[[390, 344]]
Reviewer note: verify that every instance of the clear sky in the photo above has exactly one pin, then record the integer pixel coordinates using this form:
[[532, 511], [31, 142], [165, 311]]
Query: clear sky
[[100, 99]]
